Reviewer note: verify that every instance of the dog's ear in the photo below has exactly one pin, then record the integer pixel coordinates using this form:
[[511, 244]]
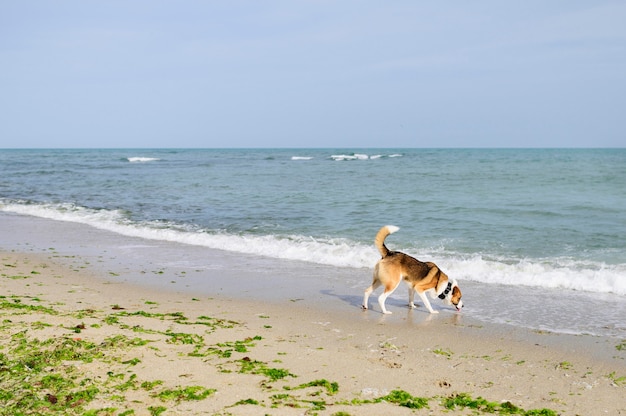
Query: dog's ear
[[456, 296]]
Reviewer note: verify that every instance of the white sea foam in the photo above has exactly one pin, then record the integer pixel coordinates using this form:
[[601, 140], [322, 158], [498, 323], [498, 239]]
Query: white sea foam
[[355, 156], [553, 273], [564, 273], [301, 157], [343, 157], [361, 156], [142, 159]]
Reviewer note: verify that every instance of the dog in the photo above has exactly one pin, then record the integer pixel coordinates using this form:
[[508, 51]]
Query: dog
[[421, 277]]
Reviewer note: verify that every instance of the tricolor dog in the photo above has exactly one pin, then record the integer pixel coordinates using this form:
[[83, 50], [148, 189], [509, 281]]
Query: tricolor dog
[[421, 277]]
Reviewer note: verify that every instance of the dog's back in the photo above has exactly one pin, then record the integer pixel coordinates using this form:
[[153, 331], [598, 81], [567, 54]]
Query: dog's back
[[410, 268]]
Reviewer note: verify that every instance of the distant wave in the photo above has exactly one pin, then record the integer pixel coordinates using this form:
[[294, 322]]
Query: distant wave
[[142, 159], [350, 156], [354, 156], [362, 156], [566, 273]]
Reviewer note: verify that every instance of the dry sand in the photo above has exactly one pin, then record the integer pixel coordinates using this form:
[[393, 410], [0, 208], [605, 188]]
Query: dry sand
[[282, 358]]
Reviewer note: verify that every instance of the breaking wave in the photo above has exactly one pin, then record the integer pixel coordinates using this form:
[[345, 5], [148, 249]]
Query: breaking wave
[[561, 272]]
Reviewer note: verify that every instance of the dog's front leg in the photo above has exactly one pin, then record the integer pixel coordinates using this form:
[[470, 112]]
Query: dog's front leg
[[426, 302]]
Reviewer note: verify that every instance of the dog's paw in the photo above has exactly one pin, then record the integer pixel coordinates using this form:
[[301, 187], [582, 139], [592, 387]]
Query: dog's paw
[[387, 312], [434, 311], [412, 306], [364, 307]]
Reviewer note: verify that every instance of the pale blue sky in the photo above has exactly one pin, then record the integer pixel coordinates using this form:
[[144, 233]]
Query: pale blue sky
[[351, 74]]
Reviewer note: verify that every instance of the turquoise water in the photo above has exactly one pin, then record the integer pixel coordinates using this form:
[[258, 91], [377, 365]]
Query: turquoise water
[[542, 219]]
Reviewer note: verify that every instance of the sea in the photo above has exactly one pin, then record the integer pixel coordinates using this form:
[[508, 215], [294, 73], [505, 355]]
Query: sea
[[537, 235]]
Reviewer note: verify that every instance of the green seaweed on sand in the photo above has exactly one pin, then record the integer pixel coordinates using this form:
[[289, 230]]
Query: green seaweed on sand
[[247, 365], [156, 410], [398, 397], [331, 387], [150, 385], [178, 317], [404, 399], [226, 349], [25, 308], [564, 365], [16, 277], [445, 353], [28, 385], [287, 400], [46, 376], [246, 401], [618, 381], [184, 338], [185, 393], [464, 400]]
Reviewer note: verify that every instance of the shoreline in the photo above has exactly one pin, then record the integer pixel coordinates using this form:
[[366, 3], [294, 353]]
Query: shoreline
[[284, 357], [197, 269]]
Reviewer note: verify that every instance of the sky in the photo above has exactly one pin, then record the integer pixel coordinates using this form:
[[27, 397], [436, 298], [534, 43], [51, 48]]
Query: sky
[[338, 74]]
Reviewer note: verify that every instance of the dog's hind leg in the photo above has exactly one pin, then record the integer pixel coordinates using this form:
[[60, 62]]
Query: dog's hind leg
[[375, 284]]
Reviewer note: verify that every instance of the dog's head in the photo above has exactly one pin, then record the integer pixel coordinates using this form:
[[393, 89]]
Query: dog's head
[[454, 297]]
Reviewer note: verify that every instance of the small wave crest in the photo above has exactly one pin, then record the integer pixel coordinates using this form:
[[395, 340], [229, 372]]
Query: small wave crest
[[350, 156], [353, 156], [140, 159], [566, 273], [362, 156]]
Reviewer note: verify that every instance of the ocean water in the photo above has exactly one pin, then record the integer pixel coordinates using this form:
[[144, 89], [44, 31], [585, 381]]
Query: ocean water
[[552, 221]]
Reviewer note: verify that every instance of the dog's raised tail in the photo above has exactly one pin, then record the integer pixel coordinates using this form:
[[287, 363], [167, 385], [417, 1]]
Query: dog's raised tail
[[380, 238]]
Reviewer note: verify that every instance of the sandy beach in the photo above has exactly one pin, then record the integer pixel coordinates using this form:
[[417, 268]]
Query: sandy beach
[[75, 341]]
